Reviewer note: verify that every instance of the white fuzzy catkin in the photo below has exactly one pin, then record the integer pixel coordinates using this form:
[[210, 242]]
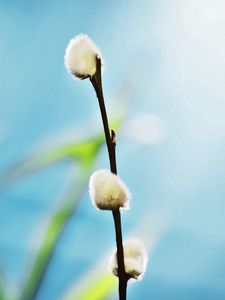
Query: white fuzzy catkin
[[107, 191], [135, 259], [80, 57]]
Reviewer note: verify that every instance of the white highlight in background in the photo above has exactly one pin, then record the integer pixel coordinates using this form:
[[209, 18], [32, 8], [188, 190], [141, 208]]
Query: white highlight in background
[[146, 128]]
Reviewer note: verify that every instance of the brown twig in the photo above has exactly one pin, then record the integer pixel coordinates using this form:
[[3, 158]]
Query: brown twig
[[110, 137]]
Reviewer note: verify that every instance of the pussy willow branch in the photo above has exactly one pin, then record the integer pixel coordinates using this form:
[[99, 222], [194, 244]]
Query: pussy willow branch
[[110, 137]]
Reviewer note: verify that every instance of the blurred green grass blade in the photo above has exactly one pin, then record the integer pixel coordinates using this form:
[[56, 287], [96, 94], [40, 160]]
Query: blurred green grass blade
[[70, 150], [2, 297], [55, 223], [53, 229], [98, 287], [82, 151], [84, 155], [3, 283]]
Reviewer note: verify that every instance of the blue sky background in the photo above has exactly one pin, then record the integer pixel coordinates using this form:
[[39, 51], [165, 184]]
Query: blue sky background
[[172, 54]]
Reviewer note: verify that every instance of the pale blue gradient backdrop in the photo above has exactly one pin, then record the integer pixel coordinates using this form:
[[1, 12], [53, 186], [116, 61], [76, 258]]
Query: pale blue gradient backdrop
[[174, 54]]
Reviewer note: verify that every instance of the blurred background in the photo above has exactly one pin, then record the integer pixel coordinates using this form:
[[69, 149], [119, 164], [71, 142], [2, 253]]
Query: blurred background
[[164, 84]]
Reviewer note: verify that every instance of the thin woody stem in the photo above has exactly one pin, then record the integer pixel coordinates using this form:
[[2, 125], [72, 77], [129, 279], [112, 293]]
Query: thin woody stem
[[111, 145]]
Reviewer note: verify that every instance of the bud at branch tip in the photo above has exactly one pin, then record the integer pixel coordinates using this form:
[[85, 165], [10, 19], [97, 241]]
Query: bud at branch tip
[[80, 57]]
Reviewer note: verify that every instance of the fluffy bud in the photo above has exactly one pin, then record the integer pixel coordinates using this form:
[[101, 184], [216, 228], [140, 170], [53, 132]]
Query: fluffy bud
[[107, 191], [80, 57], [135, 259]]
